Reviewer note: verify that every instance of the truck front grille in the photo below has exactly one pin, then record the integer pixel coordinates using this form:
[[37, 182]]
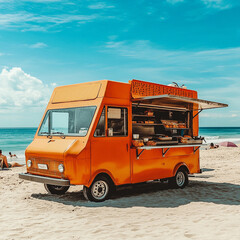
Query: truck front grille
[[52, 165]]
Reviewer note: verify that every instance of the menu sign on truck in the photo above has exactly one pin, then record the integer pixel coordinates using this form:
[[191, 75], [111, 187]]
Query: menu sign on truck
[[143, 89]]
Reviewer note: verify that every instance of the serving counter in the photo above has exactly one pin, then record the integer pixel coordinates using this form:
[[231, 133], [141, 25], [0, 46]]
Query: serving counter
[[165, 148]]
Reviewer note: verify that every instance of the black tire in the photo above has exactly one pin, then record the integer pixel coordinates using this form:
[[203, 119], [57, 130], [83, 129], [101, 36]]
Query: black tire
[[180, 180], [53, 189], [99, 191]]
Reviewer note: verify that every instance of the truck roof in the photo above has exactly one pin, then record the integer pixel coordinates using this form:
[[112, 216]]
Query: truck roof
[[112, 89]]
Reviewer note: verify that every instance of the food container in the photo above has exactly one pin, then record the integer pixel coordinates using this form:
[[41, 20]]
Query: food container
[[149, 113], [110, 132], [151, 143], [137, 143], [182, 125], [149, 122], [165, 138], [183, 140], [145, 140], [135, 136]]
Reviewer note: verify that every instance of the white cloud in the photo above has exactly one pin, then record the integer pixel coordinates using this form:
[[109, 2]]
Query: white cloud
[[34, 1], [144, 50], [214, 4], [34, 22], [43, 1], [218, 4], [215, 73], [217, 115], [38, 45], [100, 5], [20, 90]]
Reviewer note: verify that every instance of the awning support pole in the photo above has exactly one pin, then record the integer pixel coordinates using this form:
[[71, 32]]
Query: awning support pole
[[197, 113], [164, 152], [195, 149], [139, 154]]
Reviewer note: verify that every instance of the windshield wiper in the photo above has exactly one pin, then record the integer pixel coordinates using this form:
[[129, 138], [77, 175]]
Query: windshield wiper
[[48, 135], [58, 133]]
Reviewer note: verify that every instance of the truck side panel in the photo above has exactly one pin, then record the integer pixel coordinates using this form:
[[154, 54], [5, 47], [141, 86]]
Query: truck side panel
[[152, 165]]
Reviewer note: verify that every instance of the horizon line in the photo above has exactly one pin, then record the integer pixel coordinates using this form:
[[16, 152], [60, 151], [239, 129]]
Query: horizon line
[[199, 127]]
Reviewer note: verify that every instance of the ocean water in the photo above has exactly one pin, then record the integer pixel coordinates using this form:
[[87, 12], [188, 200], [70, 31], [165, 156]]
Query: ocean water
[[220, 134], [16, 140]]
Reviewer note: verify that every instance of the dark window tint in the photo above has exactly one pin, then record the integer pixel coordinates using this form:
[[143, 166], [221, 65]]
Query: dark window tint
[[100, 129]]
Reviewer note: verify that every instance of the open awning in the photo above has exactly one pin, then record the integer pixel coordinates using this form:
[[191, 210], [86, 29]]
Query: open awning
[[179, 102]]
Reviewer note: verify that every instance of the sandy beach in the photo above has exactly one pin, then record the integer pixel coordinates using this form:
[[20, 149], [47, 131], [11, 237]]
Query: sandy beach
[[209, 208]]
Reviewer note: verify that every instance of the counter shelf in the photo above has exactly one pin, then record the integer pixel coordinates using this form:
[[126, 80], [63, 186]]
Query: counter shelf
[[177, 128], [139, 115], [166, 148], [148, 124]]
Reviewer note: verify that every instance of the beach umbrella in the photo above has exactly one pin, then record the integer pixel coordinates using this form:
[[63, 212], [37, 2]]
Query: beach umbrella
[[228, 144]]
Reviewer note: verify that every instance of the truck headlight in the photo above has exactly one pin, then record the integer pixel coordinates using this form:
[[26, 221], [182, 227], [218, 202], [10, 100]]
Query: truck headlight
[[29, 163], [61, 168]]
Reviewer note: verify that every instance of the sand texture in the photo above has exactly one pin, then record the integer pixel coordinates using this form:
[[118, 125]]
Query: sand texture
[[209, 208]]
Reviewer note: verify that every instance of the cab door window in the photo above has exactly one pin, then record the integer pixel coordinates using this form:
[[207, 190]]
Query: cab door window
[[117, 123], [100, 129]]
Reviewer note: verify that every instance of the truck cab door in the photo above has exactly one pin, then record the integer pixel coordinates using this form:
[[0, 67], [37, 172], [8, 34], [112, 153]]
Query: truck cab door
[[110, 150]]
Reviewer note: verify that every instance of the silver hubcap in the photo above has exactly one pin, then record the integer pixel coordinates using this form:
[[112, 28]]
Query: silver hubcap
[[99, 189], [180, 179]]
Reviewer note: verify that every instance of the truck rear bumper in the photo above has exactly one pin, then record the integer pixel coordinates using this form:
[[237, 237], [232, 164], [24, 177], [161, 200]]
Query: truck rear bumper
[[46, 180]]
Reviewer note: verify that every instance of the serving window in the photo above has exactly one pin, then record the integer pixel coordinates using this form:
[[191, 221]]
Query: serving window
[[150, 121], [159, 126]]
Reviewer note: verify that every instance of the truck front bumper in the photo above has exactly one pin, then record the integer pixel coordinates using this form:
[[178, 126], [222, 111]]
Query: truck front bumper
[[46, 180]]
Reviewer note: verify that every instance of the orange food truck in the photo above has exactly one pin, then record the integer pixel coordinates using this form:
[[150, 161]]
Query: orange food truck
[[104, 134]]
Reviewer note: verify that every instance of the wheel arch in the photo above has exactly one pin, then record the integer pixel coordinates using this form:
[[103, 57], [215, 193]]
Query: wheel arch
[[181, 165], [102, 173]]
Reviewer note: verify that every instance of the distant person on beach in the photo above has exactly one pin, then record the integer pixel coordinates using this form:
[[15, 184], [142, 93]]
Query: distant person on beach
[[12, 155], [5, 164], [212, 146]]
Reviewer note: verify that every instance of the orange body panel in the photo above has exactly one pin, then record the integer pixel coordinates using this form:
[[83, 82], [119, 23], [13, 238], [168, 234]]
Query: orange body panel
[[152, 165], [85, 157]]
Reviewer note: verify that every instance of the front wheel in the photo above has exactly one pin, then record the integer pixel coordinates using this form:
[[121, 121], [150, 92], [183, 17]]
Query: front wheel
[[53, 189], [99, 190], [180, 180]]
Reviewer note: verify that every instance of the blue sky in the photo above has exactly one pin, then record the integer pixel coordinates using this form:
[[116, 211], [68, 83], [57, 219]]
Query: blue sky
[[47, 43]]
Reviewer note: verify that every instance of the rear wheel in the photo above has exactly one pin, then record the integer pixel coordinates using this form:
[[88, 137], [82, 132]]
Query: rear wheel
[[53, 189], [180, 180], [99, 190]]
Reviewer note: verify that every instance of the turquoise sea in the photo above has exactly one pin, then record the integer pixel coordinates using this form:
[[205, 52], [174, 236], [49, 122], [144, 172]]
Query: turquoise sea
[[16, 140], [220, 134]]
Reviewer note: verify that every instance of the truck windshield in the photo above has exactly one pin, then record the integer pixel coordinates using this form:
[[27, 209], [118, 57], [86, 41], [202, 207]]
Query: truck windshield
[[68, 121]]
